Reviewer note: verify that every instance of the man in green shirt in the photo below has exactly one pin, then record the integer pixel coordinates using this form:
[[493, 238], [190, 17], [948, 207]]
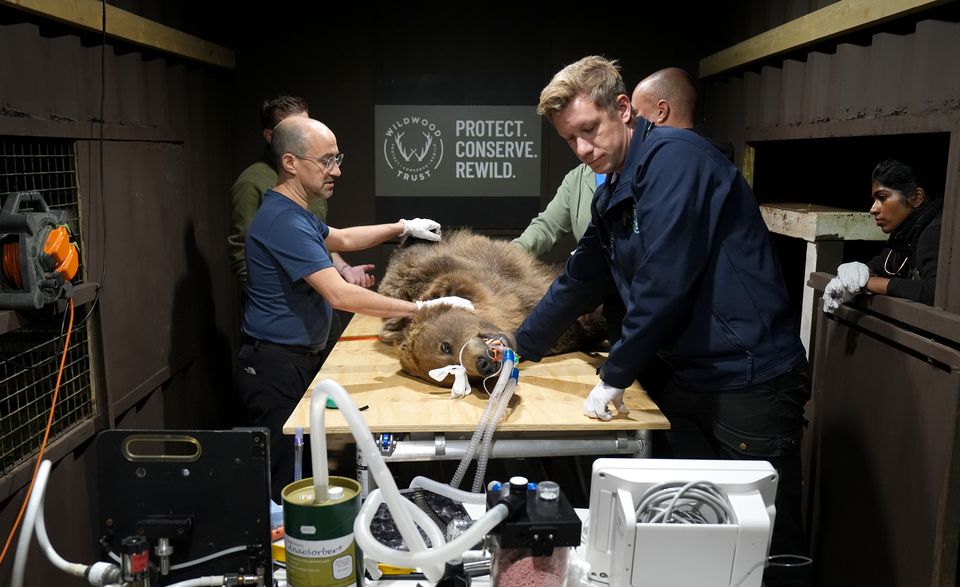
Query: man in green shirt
[[247, 194], [567, 213]]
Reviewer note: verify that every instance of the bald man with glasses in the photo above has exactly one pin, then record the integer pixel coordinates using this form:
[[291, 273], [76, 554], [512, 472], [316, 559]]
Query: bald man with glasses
[[293, 286]]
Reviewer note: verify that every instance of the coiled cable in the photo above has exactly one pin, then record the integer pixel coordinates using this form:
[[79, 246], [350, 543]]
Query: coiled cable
[[676, 502]]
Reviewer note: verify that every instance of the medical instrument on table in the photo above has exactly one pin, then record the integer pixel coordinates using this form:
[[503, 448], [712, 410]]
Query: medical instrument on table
[[168, 510], [533, 545], [633, 542]]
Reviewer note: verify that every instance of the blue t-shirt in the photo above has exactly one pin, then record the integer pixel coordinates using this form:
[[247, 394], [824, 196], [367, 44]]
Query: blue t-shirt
[[284, 245]]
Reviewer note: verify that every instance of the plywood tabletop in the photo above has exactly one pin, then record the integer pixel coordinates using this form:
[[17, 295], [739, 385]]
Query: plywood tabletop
[[549, 396]]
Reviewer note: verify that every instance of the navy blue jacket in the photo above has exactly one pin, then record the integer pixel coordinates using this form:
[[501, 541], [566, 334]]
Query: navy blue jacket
[[679, 234]]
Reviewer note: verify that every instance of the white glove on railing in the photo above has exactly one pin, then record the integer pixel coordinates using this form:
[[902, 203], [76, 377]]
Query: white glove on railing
[[853, 276], [422, 228], [835, 294], [595, 406], [452, 301]]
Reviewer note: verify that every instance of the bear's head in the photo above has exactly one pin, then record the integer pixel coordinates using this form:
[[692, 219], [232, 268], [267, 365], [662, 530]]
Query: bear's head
[[441, 335]]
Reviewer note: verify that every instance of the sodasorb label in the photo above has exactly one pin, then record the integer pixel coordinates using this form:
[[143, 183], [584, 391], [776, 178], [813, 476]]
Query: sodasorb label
[[457, 151]]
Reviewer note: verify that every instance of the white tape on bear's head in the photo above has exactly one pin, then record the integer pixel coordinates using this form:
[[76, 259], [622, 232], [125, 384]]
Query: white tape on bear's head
[[461, 385]]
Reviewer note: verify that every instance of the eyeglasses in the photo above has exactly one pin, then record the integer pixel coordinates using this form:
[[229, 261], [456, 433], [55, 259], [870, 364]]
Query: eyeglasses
[[325, 164]]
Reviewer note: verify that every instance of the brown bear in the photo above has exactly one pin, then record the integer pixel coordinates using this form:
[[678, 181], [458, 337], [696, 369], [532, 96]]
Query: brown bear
[[503, 282]]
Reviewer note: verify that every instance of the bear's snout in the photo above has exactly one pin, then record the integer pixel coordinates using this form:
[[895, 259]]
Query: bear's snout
[[487, 366]]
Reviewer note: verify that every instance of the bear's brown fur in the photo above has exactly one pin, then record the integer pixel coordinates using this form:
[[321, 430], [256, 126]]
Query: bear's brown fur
[[503, 282]]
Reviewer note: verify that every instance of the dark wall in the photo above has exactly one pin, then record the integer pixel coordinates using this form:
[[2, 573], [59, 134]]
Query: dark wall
[[154, 215], [347, 62]]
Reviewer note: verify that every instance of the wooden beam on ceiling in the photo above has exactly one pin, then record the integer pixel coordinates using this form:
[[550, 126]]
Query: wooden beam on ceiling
[[127, 26], [829, 22]]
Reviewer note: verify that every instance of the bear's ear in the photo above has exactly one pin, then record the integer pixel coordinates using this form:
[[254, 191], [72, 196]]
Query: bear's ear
[[394, 330], [456, 284], [408, 362]]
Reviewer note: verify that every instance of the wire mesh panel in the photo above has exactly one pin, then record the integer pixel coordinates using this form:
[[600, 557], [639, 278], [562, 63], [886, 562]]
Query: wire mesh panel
[[28, 373], [48, 166], [30, 356]]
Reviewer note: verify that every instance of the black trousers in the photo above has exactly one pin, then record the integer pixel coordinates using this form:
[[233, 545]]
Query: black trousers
[[761, 422], [270, 382]]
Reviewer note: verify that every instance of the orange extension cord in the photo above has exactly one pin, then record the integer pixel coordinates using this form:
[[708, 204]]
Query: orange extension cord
[[43, 445], [11, 266]]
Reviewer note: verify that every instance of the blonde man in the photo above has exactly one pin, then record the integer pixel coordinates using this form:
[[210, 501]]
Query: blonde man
[[677, 233]]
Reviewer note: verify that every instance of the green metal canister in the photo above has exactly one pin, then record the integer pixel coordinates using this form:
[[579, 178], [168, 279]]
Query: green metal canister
[[320, 547]]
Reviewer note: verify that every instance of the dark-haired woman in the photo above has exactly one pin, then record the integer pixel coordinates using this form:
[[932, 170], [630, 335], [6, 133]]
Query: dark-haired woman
[[907, 266]]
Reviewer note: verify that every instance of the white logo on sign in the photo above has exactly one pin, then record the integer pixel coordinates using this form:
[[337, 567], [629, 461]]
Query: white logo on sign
[[413, 148]]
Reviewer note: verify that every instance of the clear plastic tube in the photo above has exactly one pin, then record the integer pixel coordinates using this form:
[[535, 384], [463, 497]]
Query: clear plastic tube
[[485, 418], [476, 437], [488, 433], [447, 491]]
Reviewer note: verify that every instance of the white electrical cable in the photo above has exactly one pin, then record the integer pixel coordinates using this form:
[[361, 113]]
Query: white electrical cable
[[195, 561], [677, 502], [200, 582], [207, 558]]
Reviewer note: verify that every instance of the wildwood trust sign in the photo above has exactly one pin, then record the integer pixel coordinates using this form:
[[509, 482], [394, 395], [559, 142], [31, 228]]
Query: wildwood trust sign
[[457, 151]]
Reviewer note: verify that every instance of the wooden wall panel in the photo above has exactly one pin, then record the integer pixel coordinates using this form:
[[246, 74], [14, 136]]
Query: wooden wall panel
[[167, 314], [887, 442], [769, 98], [792, 93], [889, 71], [934, 73], [818, 96]]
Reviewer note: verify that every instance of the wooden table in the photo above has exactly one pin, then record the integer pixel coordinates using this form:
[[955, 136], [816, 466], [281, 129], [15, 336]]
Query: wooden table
[[547, 403]]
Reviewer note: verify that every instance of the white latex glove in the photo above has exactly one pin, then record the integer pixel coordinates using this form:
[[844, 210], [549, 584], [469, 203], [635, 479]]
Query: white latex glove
[[835, 294], [461, 385], [422, 228], [452, 301], [853, 276], [595, 406]]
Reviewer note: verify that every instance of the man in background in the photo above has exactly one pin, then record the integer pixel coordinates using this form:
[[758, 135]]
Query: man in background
[[247, 194], [667, 97]]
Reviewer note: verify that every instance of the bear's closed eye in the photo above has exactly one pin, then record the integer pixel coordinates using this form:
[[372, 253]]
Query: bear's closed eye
[[445, 348]]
